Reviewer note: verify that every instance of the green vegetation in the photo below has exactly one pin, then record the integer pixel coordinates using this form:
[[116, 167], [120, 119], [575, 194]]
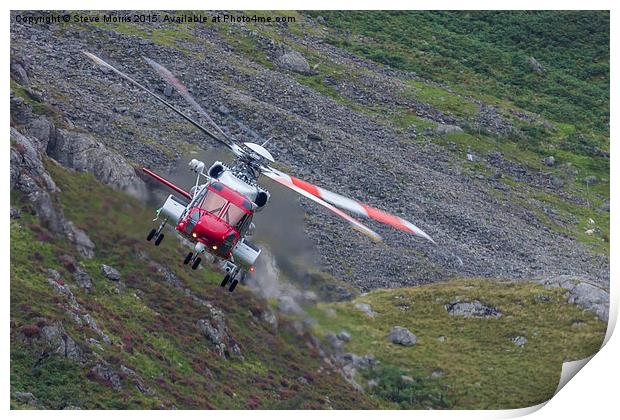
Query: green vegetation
[[38, 107], [482, 367], [151, 324], [486, 52]]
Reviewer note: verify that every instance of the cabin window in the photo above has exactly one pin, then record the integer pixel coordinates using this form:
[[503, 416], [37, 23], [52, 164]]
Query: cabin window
[[233, 214], [212, 203]]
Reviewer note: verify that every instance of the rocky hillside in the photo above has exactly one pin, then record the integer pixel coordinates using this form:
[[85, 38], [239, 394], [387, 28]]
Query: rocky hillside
[[505, 188], [512, 182]]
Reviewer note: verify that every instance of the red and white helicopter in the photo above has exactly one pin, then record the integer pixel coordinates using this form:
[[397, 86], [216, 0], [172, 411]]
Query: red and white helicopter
[[215, 215]]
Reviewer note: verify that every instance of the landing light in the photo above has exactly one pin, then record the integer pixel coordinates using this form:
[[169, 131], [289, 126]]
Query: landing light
[[194, 235], [214, 247], [251, 269]]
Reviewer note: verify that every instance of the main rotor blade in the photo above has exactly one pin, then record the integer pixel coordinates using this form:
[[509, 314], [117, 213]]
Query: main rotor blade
[[184, 92], [346, 203], [355, 224], [100, 62]]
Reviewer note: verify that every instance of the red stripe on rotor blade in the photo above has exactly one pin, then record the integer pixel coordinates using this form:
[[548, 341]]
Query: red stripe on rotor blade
[[384, 217], [306, 186]]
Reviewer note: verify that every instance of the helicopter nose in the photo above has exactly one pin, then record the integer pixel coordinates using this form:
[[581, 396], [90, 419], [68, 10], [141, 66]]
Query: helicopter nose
[[210, 229]]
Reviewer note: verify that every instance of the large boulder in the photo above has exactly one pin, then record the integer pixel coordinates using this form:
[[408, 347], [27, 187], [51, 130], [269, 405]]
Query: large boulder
[[111, 273], [294, 61], [535, 66], [402, 336]]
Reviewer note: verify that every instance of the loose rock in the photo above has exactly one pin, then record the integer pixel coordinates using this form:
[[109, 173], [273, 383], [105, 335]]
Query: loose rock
[[111, 273], [82, 278], [443, 129], [472, 309], [535, 66], [366, 308], [104, 373], [402, 336], [344, 336]]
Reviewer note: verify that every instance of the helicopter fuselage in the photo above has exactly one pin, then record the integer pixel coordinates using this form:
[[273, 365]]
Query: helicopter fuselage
[[215, 217]]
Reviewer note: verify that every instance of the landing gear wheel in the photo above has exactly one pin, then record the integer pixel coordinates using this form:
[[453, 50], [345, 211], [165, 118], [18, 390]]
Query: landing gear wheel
[[188, 258], [196, 263], [233, 285], [159, 239], [151, 235], [225, 281]]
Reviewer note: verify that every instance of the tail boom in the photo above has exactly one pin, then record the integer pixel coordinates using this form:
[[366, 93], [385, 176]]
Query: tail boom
[[168, 183]]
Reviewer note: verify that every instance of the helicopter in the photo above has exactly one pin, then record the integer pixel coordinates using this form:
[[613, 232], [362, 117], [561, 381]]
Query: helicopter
[[216, 214]]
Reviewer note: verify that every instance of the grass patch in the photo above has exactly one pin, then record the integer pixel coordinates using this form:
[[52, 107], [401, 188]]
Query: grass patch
[[483, 368]]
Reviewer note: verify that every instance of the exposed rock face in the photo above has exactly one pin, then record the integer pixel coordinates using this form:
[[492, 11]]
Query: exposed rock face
[[366, 308], [111, 273], [473, 308], [92, 324], [82, 242], [105, 374], [28, 175], [583, 293], [349, 364], [333, 292], [18, 72], [58, 341], [215, 330], [60, 287], [137, 380], [294, 61], [81, 152], [549, 161], [402, 336], [25, 397], [82, 278], [519, 340]]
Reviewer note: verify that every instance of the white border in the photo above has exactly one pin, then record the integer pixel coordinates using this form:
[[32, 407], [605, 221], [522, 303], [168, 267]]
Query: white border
[[593, 394]]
